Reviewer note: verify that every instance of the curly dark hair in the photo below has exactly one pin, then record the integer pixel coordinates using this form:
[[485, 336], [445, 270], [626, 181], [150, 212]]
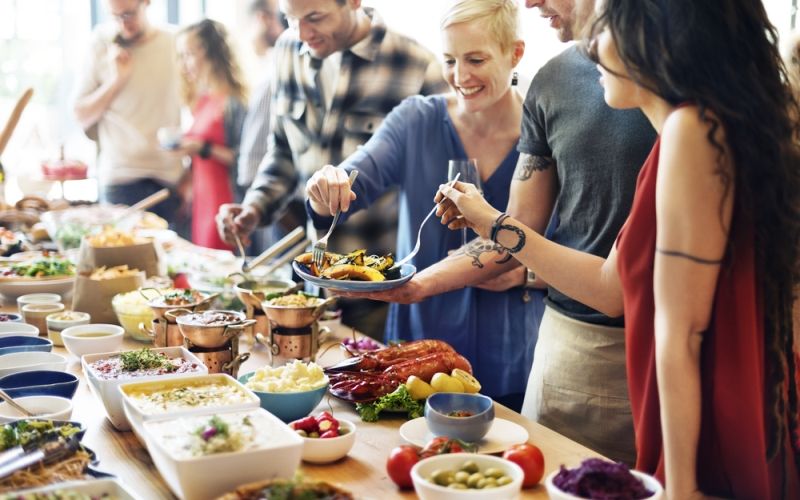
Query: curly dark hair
[[213, 38], [722, 55]]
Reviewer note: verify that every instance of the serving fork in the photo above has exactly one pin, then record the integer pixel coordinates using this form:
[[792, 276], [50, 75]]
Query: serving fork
[[318, 252], [414, 252]]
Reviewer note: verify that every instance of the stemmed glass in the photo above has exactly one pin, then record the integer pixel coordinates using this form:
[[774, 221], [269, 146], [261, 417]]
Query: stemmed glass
[[469, 173]]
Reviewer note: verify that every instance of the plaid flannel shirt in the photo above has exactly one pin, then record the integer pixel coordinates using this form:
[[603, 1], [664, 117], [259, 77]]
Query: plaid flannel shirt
[[373, 79]]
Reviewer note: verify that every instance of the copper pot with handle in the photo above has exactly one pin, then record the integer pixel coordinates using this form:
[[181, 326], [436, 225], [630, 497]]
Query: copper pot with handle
[[209, 329], [296, 316], [253, 292], [160, 308], [163, 333]]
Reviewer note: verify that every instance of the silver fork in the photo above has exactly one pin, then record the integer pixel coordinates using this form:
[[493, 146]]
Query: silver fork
[[318, 252], [410, 256]]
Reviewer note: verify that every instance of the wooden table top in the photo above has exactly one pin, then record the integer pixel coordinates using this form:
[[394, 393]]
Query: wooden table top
[[362, 471]]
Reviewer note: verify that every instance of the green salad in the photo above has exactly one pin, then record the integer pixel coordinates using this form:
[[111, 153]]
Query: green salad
[[40, 268]]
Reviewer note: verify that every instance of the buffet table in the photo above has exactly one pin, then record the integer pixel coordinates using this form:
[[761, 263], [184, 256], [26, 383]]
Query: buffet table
[[362, 471]]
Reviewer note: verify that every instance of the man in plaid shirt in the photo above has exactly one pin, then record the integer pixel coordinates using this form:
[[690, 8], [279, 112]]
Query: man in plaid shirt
[[339, 71]]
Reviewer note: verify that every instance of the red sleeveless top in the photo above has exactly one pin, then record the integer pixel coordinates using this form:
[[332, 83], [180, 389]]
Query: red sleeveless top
[[731, 454]]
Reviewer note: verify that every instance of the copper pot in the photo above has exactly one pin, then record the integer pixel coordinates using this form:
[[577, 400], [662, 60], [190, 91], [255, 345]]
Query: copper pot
[[160, 310], [209, 336], [222, 360], [253, 292], [296, 317], [164, 333]]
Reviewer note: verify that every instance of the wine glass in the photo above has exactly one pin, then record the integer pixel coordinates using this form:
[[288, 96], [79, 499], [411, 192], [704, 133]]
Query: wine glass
[[469, 173]]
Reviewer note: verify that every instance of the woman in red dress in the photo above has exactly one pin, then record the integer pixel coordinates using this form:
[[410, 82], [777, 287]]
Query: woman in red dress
[[213, 89], [707, 261]]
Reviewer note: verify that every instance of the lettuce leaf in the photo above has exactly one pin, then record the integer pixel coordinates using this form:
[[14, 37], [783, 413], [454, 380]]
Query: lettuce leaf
[[400, 400]]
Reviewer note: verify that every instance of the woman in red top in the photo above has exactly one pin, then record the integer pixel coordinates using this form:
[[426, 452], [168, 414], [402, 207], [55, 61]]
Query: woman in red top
[[707, 261], [213, 89]]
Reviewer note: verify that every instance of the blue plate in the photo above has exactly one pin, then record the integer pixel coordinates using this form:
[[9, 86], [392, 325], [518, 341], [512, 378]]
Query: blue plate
[[40, 383], [406, 272], [24, 343]]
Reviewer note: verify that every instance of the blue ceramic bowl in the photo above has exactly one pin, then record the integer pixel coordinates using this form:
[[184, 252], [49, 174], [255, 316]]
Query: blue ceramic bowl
[[23, 343], [441, 405], [288, 406], [10, 317], [40, 383]]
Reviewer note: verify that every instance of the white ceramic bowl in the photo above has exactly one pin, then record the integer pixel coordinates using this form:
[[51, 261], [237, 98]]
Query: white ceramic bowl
[[650, 483], [323, 451], [37, 298], [107, 389], [427, 490], [52, 407], [96, 488], [12, 329], [136, 415], [90, 339], [55, 325], [27, 361], [207, 477]]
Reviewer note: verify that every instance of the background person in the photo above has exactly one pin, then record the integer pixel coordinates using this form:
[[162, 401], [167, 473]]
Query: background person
[[127, 91], [339, 71], [706, 263], [479, 118], [213, 89]]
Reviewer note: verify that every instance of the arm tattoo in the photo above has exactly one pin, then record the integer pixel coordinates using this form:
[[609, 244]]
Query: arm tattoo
[[698, 260], [528, 164], [520, 235], [477, 247]]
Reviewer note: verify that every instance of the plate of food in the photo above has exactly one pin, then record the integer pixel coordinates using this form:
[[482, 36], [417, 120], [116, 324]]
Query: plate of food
[[33, 434], [47, 274], [353, 272]]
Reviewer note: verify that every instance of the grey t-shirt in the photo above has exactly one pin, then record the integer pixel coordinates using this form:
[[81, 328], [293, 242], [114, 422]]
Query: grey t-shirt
[[598, 153]]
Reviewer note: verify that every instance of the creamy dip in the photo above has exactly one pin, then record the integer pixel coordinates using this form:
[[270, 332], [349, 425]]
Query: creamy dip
[[187, 397], [203, 435], [112, 368]]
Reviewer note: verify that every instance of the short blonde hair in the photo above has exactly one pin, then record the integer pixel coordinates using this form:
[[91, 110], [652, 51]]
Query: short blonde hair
[[501, 18]]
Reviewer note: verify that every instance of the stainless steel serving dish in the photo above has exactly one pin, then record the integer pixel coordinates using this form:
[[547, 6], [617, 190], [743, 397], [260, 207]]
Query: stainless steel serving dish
[[295, 316], [209, 336]]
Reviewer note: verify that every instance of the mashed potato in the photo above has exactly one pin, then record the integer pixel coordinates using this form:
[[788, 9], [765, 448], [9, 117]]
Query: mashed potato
[[292, 377]]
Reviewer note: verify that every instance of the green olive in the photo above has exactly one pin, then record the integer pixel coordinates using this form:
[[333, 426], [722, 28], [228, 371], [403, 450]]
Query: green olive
[[457, 486], [442, 477], [313, 434], [504, 480], [480, 483], [490, 483], [493, 472], [470, 466], [461, 477], [301, 433], [473, 480]]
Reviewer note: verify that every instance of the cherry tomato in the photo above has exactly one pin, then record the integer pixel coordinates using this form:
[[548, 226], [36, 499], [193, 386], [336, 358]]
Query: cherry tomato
[[399, 464], [530, 459], [442, 444]]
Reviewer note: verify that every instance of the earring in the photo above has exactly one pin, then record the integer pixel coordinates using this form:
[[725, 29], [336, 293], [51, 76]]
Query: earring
[[514, 79]]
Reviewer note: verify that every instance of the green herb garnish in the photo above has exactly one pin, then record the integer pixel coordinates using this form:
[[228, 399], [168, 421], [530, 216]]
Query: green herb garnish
[[144, 359], [400, 399]]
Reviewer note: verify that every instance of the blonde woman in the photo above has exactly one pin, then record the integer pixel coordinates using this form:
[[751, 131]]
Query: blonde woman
[[479, 118], [213, 89]]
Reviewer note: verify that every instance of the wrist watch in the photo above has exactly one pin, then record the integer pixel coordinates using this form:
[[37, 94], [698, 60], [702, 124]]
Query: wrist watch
[[530, 279]]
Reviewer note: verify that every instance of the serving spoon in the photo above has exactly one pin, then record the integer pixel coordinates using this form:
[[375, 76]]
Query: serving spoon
[[8, 399]]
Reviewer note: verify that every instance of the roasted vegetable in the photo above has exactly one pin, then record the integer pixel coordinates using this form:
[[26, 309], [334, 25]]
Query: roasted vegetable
[[352, 272]]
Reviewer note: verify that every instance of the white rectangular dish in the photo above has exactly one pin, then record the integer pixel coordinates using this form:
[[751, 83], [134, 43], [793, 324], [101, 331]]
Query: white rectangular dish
[[106, 389], [164, 399], [268, 449], [95, 488]]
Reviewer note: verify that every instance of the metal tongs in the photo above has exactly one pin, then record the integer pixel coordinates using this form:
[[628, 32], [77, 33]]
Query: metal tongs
[[293, 244], [49, 452]]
